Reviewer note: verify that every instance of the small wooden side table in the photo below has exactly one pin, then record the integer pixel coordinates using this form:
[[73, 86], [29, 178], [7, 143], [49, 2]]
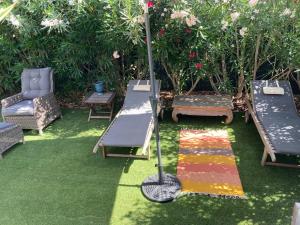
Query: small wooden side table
[[203, 105], [101, 105]]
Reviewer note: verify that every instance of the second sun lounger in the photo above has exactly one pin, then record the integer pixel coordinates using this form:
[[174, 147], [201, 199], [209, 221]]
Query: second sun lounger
[[277, 121], [133, 125]]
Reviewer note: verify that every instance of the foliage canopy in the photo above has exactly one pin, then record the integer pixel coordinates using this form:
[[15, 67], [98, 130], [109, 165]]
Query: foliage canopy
[[226, 42]]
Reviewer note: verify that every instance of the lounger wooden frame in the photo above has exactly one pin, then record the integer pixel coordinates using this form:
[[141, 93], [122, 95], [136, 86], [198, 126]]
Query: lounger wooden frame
[[146, 149], [268, 148]]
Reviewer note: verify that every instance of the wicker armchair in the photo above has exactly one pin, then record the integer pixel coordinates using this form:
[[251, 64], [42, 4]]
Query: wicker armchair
[[35, 107]]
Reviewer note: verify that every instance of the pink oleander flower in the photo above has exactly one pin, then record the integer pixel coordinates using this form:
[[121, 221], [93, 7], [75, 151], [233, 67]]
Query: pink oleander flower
[[243, 31], [52, 22], [198, 66], [162, 32], [150, 4], [234, 16], [139, 19], [116, 55], [191, 21], [192, 55], [14, 21], [286, 12], [179, 14], [253, 3], [224, 25]]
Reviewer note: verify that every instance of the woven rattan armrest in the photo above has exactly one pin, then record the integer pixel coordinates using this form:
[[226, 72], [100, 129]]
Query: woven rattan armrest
[[44, 104], [12, 100]]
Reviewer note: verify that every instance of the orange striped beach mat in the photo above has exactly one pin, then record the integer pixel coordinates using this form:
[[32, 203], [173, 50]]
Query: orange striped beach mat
[[206, 164]]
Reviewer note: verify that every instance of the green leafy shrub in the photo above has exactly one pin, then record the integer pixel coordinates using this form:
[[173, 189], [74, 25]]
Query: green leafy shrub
[[225, 42]]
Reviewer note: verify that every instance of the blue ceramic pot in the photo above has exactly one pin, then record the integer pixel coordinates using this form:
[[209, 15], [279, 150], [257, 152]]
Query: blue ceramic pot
[[99, 86]]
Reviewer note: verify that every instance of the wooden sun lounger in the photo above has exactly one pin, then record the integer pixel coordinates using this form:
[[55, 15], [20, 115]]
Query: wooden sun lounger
[[289, 110], [133, 125]]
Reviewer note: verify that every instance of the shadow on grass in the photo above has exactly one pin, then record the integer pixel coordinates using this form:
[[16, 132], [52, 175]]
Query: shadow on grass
[[55, 178], [271, 191]]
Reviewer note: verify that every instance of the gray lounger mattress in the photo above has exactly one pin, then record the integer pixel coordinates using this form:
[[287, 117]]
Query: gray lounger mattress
[[128, 131], [134, 122], [278, 116]]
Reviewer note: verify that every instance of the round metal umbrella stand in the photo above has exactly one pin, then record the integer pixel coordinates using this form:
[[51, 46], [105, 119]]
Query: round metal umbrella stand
[[161, 187], [165, 191]]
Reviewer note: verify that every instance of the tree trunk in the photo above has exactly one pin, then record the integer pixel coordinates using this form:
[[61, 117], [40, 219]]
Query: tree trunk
[[240, 56], [213, 85], [241, 84], [224, 70], [172, 77], [256, 56], [193, 86]]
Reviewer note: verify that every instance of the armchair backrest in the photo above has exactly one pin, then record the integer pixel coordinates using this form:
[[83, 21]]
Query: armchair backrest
[[37, 82]]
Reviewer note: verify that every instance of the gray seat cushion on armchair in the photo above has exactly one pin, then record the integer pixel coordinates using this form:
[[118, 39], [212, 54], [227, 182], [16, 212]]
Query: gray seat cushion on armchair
[[23, 108], [36, 82], [4, 125]]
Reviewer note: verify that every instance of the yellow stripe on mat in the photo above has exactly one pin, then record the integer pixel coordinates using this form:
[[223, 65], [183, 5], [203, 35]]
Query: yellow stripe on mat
[[209, 159], [217, 189]]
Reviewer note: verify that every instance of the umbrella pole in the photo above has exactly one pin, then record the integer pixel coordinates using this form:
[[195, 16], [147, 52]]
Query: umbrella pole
[[161, 187], [154, 99]]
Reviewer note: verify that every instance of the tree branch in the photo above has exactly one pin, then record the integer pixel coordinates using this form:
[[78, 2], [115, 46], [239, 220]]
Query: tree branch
[[194, 86], [256, 56]]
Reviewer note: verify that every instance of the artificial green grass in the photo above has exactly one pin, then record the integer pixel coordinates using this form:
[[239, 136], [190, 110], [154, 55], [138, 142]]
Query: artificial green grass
[[55, 179]]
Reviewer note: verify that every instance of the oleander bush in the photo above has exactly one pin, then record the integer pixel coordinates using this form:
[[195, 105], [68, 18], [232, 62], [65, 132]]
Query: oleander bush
[[224, 42]]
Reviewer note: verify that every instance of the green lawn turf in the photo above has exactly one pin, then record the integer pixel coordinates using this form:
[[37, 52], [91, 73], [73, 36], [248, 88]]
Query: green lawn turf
[[55, 179]]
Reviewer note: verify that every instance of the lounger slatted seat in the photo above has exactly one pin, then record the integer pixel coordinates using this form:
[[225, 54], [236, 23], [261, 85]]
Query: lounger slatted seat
[[277, 121], [133, 125]]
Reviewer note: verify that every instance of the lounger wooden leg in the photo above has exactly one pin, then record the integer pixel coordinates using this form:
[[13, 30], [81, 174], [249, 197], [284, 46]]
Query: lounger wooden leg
[[1, 157], [174, 116], [149, 151], [90, 114], [22, 140], [264, 157], [272, 155], [104, 152], [229, 117], [247, 116], [111, 111], [95, 149], [40, 131], [162, 114]]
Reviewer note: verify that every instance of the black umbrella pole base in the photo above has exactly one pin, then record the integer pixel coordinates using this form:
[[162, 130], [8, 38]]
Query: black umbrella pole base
[[165, 192]]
